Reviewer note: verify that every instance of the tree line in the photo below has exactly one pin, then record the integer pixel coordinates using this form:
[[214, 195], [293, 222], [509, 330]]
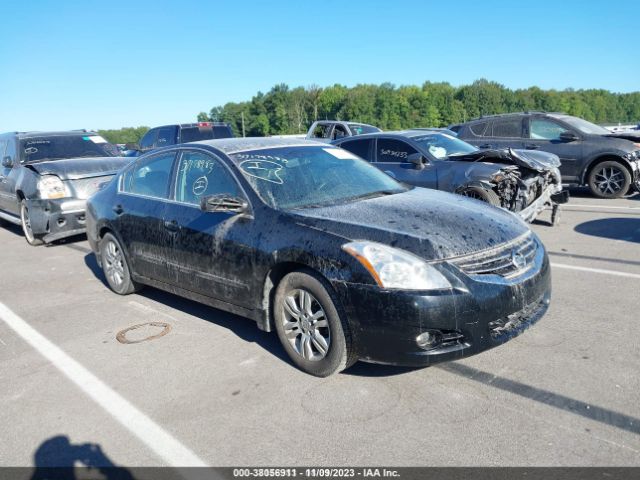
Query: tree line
[[284, 110]]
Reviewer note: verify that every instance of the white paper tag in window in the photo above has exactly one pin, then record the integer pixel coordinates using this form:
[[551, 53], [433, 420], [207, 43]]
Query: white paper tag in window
[[97, 139], [340, 153]]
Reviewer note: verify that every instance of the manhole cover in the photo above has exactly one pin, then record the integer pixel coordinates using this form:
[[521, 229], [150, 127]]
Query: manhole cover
[[143, 332]]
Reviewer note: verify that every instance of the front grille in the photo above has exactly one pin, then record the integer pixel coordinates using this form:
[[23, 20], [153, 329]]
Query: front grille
[[85, 187], [515, 323], [508, 260]]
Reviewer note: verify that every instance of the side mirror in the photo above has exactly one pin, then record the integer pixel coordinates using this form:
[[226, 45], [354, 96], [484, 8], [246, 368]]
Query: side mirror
[[7, 162], [223, 202], [417, 159], [568, 137]]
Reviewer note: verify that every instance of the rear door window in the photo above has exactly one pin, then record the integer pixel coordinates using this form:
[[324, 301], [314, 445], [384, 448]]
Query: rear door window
[[361, 148], [322, 130], [151, 177], [508, 128], [391, 150]]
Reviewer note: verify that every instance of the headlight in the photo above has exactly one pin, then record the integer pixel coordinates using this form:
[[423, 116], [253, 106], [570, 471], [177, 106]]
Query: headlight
[[394, 268], [51, 187]]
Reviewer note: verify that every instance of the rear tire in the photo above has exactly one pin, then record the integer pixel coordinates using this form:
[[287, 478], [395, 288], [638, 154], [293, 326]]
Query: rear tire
[[115, 266], [312, 326], [31, 238], [488, 196], [609, 179]]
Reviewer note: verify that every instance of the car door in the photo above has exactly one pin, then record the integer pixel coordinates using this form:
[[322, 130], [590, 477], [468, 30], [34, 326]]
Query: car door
[[144, 191], [392, 157], [9, 176], [544, 134], [209, 253], [503, 132]]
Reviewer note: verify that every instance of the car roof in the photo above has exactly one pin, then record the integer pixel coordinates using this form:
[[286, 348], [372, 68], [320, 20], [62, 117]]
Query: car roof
[[409, 133], [235, 145], [58, 133]]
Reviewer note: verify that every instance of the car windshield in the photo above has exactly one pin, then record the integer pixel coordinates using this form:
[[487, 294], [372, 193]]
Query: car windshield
[[303, 177], [36, 149], [585, 126], [441, 145], [357, 129]]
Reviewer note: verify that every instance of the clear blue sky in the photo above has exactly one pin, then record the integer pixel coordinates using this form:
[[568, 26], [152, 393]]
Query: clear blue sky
[[90, 64]]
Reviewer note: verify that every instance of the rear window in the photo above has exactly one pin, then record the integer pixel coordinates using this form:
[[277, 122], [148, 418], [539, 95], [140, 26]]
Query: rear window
[[196, 134], [58, 147]]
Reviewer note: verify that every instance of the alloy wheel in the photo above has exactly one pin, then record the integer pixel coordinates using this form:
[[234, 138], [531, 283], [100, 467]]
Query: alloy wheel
[[26, 223], [114, 264], [305, 325], [609, 180]]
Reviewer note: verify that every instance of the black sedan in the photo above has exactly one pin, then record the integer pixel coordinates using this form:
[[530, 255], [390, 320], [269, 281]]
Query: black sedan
[[344, 262]]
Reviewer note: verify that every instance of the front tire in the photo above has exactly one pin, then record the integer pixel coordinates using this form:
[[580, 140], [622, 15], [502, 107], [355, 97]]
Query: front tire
[[31, 238], [488, 196], [115, 266], [609, 179], [311, 325]]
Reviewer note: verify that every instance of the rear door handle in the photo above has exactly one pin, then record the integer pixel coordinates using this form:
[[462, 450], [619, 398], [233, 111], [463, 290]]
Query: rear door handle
[[486, 145], [118, 210], [171, 225], [531, 146]]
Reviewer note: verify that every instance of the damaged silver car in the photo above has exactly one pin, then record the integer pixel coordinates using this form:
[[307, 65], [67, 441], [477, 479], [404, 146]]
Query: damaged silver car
[[521, 181]]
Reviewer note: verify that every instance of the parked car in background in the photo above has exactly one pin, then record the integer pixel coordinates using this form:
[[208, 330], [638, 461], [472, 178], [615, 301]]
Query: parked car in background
[[328, 130], [520, 181], [46, 178], [167, 135], [608, 162], [343, 261]]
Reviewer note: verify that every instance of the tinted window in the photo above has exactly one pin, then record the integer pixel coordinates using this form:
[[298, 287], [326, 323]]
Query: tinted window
[[392, 150], [149, 139], [545, 129], [150, 177], [321, 131], [200, 174], [57, 147], [479, 129], [509, 128], [360, 148], [166, 137], [197, 133], [339, 132], [357, 129], [298, 177]]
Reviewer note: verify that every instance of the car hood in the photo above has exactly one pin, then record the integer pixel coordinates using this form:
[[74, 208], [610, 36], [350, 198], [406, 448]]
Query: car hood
[[75, 168], [531, 159], [431, 224], [632, 136]]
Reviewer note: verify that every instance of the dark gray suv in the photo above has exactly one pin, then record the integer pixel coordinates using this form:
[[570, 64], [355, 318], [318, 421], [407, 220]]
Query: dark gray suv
[[609, 163]]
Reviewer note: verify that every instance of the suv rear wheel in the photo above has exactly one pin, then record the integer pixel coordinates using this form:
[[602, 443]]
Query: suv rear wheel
[[609, 179]]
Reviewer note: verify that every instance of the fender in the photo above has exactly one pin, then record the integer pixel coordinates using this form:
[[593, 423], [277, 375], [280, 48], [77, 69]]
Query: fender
[[619, 156]]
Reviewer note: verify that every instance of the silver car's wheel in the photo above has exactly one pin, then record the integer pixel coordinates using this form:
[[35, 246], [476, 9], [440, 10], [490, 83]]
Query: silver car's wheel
[[305, 325], [31, 238]]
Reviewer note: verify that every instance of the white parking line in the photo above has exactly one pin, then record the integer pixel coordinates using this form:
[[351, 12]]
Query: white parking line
[[146, 430], [600, 206], [596, 270]]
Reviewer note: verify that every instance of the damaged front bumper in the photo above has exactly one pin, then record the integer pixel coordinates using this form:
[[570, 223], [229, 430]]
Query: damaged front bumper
[[56, 219], [553, 196], [478, 314]]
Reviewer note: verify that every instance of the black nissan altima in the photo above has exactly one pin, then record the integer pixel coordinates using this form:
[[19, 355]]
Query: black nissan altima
[[341, 260]]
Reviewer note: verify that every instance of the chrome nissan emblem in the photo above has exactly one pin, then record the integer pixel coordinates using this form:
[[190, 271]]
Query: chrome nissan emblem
[[518, 260]]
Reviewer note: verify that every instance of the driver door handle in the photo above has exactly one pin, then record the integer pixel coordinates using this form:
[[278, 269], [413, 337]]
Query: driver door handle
[[531, 146], [171, 225]]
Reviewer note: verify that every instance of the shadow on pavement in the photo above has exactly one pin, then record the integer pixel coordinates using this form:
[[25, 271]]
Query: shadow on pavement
[[58, 459], [627, 229], [555, 400]]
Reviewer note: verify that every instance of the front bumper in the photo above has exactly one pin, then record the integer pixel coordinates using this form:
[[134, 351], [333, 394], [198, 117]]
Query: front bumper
[[55, 219], [478, 314], [552, 196]]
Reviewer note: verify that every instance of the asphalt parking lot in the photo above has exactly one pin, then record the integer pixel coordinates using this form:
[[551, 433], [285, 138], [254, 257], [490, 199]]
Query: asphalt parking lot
[[215, 390]]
